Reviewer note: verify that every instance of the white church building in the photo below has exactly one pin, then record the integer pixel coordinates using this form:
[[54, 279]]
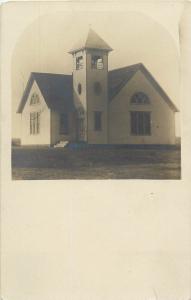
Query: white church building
[[94, 105]]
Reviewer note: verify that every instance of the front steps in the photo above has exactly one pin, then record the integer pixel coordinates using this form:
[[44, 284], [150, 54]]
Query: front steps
[[61, 144]]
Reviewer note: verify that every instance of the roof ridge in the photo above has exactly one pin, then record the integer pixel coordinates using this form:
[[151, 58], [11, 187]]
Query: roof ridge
[[130, 66], [47, 73]]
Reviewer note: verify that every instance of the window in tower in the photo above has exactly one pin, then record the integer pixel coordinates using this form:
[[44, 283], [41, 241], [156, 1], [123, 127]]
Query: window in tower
[[79, 62], [97, 88], [97, 62], [97, 120]]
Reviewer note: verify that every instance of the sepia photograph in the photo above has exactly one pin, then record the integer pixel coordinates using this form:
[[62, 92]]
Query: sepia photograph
[[95, 150], [95, 99]]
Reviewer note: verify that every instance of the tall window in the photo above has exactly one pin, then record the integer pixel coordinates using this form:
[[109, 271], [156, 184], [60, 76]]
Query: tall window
[[97, 62], [140, 123], [64, 124], [79, 88], [140, 98], [34, 123], [79, 62], [97, 88], [97, 120], [81, 128]]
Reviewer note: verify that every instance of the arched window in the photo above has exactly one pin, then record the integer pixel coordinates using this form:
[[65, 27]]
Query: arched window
[[34, 99], [140, 98]]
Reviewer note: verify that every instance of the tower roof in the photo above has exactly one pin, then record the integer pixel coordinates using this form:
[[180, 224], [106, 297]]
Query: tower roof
[[91, 41]]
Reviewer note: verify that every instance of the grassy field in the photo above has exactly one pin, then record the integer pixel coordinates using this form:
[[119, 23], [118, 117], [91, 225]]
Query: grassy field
[[95, 163]]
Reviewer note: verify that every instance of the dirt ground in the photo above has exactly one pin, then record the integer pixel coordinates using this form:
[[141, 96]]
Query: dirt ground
[[30, 163]]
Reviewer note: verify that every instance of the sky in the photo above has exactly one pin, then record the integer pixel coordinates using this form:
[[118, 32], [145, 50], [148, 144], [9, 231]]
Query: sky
[[43, 46]]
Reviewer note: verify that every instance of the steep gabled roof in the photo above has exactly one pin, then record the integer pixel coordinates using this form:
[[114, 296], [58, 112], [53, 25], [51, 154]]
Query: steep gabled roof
[[91, 41], [57, 90], [118, 78], [159, 89]]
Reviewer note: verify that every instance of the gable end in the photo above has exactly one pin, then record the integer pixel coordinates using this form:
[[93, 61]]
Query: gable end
[[25, 94], [158, 88], [118, 78]]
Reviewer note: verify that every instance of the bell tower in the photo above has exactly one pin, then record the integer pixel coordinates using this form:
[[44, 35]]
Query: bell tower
[[90, 88]]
